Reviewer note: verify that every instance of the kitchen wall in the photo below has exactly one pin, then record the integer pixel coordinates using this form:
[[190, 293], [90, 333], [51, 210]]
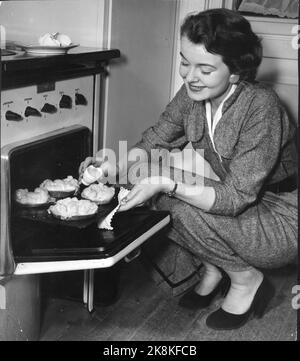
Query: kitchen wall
[[82, 20], [279, 66], [140, 82]]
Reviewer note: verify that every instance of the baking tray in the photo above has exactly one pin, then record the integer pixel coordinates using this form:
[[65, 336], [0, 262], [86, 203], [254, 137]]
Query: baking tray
[[96, 202], [35, 205], [42, 215], [74, 218], [61, 194]]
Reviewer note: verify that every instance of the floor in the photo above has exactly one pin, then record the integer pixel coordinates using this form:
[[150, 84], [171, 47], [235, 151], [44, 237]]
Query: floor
[[144, 312]]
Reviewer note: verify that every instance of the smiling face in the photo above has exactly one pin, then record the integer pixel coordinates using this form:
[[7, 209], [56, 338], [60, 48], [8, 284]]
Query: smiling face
[[205, 75]]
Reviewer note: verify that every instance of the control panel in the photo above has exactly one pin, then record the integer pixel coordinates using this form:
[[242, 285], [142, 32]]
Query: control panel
[[34, 110]]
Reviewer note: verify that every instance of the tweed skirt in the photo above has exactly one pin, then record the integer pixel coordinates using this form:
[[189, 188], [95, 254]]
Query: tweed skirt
[[264, 236]]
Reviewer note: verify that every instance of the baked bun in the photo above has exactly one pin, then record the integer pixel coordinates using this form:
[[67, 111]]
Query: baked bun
[[38, 196], [73, 207], [99, 193], [68, 184]]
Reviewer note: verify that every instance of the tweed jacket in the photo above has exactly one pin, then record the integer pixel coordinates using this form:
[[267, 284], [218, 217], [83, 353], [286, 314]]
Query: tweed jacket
[[254, 142]]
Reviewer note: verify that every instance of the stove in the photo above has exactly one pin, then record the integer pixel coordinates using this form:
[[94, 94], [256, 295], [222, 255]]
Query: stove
[[51, 110]]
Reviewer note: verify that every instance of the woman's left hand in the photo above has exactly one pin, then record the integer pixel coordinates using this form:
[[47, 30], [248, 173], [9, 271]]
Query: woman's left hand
[[145, 190]]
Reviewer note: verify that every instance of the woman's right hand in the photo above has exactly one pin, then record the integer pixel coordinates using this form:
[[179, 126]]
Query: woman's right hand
[[109, 169], [83, 165]]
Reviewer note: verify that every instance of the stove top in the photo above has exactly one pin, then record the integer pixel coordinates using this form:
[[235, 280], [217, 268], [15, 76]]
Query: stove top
[[5, 52], [17, 54], [20, 68]]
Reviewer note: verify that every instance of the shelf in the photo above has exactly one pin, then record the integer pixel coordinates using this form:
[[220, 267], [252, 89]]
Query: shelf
[[23, 69]]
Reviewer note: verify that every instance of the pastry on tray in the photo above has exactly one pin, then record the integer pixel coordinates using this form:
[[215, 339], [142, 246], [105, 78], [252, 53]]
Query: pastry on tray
[[99, 193], [69, 208], [60, 187], [37, 197]]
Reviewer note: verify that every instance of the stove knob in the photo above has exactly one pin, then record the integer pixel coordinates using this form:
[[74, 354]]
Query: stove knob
[[65, 102], [29, 111], [80, 99], [11, 116], [49, 108]]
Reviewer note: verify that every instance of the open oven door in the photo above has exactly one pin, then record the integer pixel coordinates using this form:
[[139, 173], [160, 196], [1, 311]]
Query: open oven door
[[32, 240]]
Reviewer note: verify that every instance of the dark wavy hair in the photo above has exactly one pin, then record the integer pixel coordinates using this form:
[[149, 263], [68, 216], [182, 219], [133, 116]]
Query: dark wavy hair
[[229, 34]]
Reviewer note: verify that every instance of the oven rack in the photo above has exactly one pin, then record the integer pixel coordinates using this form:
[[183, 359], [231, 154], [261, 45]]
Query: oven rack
[[58, 240]]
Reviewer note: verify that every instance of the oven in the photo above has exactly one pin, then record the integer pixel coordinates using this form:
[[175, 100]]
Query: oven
[[50, 119], [51, 110], [37, 242]]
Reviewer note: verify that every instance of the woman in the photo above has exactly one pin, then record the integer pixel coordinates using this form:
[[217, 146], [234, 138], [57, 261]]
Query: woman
[[247, 219]]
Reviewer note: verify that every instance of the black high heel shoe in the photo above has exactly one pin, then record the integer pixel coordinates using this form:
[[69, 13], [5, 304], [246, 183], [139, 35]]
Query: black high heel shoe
[[193, 301], [222, 320]]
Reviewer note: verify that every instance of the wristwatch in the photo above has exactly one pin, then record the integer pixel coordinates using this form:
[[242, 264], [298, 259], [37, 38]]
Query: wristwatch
[[173, 191]]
